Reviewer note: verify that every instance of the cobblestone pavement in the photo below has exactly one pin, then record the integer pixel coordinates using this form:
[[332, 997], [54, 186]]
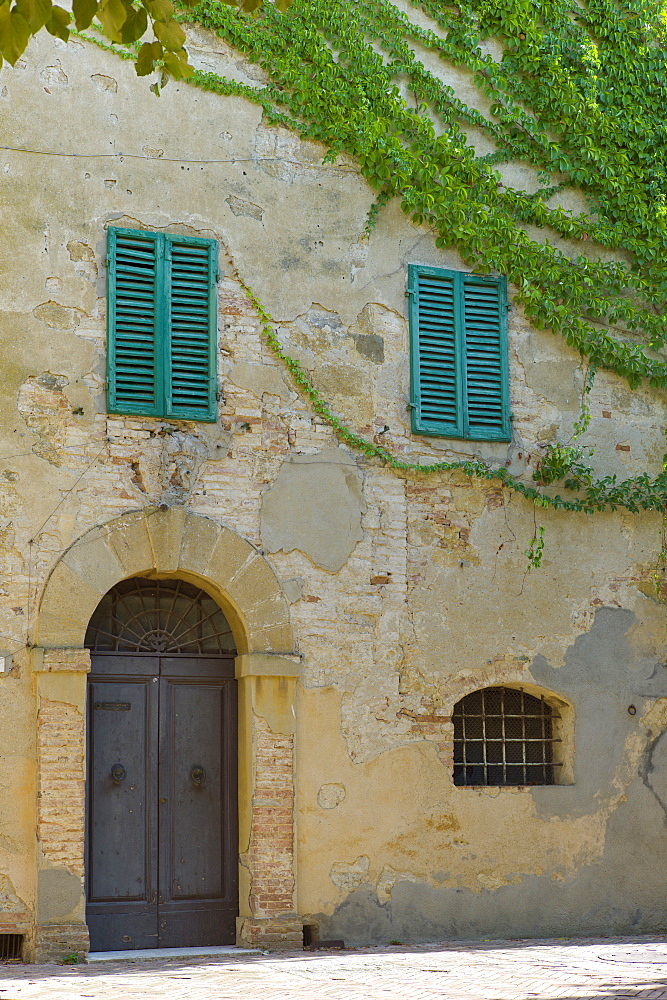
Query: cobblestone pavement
[[583, 969]]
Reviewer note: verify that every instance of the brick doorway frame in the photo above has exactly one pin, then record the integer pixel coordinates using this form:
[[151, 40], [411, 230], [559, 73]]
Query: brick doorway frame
[[168, 544]]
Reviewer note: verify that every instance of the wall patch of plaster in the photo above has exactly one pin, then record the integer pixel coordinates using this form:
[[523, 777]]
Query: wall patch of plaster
[[245, 208], [330, 796], [349, 876], [259, 379], [315, 505], [388, 879], [105, 83], [59, 893], [293, 589], [9, 901], [46, 409], [58, 317]]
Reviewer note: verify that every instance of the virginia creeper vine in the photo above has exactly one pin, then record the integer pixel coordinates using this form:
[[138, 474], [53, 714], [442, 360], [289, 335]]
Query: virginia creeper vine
[[575, 90]]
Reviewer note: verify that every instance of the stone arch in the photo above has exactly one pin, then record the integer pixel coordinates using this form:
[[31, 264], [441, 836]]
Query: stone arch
[[167, 543]]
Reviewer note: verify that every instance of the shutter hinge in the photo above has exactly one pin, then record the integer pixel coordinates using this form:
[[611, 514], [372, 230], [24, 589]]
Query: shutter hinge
[[409, 291]]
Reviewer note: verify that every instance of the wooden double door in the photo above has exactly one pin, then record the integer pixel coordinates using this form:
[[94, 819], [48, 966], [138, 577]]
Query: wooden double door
[[162, 840]]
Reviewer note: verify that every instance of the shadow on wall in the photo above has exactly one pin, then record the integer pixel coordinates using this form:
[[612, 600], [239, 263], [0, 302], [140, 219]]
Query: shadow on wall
[[625, 890]]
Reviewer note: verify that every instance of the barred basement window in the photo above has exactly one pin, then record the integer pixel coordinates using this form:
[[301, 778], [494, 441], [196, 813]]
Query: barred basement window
[[161, 316], [11, 947], [504, 736]]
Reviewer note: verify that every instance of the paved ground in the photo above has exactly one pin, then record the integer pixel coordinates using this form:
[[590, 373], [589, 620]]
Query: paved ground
[[587, 969]]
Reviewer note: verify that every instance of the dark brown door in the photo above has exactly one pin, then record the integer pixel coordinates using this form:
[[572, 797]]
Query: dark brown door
[[162, 862]]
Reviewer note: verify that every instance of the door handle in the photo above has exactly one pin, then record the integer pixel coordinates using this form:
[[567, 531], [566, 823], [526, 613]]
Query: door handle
[[198, 775], [118, 773]]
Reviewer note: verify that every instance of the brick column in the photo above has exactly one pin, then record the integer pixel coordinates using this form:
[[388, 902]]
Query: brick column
[[267, 725], [61, 762]]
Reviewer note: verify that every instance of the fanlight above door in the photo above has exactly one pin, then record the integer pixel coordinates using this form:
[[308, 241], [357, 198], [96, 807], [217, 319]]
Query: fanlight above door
[[162, 617]]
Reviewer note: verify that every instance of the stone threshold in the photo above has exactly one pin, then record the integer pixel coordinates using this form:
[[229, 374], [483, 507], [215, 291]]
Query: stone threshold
[[144, 954]]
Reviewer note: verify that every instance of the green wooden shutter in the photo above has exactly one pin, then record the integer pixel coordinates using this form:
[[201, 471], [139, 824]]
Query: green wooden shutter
[[458, 334], [192, 326], [435, 356], [162, 325], [133, 307], [486, 385]]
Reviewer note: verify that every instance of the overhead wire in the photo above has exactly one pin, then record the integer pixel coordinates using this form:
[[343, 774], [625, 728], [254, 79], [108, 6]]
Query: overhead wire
[[181, 159]]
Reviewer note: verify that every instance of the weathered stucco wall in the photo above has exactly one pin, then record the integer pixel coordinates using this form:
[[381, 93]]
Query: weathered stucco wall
[[406, 592]]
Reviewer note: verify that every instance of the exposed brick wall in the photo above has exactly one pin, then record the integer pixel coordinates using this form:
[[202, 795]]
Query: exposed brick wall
[[14, 923], [271, 855], [398, 631], [54, 941], [61, 756], [266, 932]]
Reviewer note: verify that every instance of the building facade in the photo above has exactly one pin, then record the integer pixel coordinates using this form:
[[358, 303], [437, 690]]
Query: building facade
[[257, 681]]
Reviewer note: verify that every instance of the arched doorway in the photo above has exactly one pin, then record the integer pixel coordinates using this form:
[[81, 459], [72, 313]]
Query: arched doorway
[[161, 827]]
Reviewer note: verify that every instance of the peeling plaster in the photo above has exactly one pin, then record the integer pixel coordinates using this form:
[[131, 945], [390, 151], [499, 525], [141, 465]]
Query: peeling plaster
[[429, 600], [325, 493], [9, 900]]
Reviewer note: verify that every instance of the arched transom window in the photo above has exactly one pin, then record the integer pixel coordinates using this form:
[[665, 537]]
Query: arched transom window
[[158, 616], [504, 736]]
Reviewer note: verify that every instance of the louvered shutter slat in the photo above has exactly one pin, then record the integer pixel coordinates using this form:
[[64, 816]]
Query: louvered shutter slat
[[192, 326], [459, 355], [435, 406], [484, 359], [132, 308], [161, 357]]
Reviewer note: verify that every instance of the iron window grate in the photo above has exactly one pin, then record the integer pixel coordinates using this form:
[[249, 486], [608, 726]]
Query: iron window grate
[[504, 736], [11, 947]]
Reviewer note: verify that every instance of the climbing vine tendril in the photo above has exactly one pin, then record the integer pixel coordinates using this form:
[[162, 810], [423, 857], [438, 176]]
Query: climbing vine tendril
[[573, 90]]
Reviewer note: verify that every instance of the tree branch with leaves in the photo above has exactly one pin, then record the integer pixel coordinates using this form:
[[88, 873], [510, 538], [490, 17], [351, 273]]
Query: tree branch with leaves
[[121, 21]]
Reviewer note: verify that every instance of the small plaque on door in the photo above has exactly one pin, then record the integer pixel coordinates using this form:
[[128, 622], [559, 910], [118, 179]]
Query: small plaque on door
[[113, 706]]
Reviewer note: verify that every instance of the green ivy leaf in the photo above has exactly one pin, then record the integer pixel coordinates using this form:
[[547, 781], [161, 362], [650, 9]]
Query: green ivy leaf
[[58, 23], [177, 65], [135, 24], [14, 33], [170, 34], [84, 11], [36, 12], [159, 10], [148, 57], [112, 15]]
